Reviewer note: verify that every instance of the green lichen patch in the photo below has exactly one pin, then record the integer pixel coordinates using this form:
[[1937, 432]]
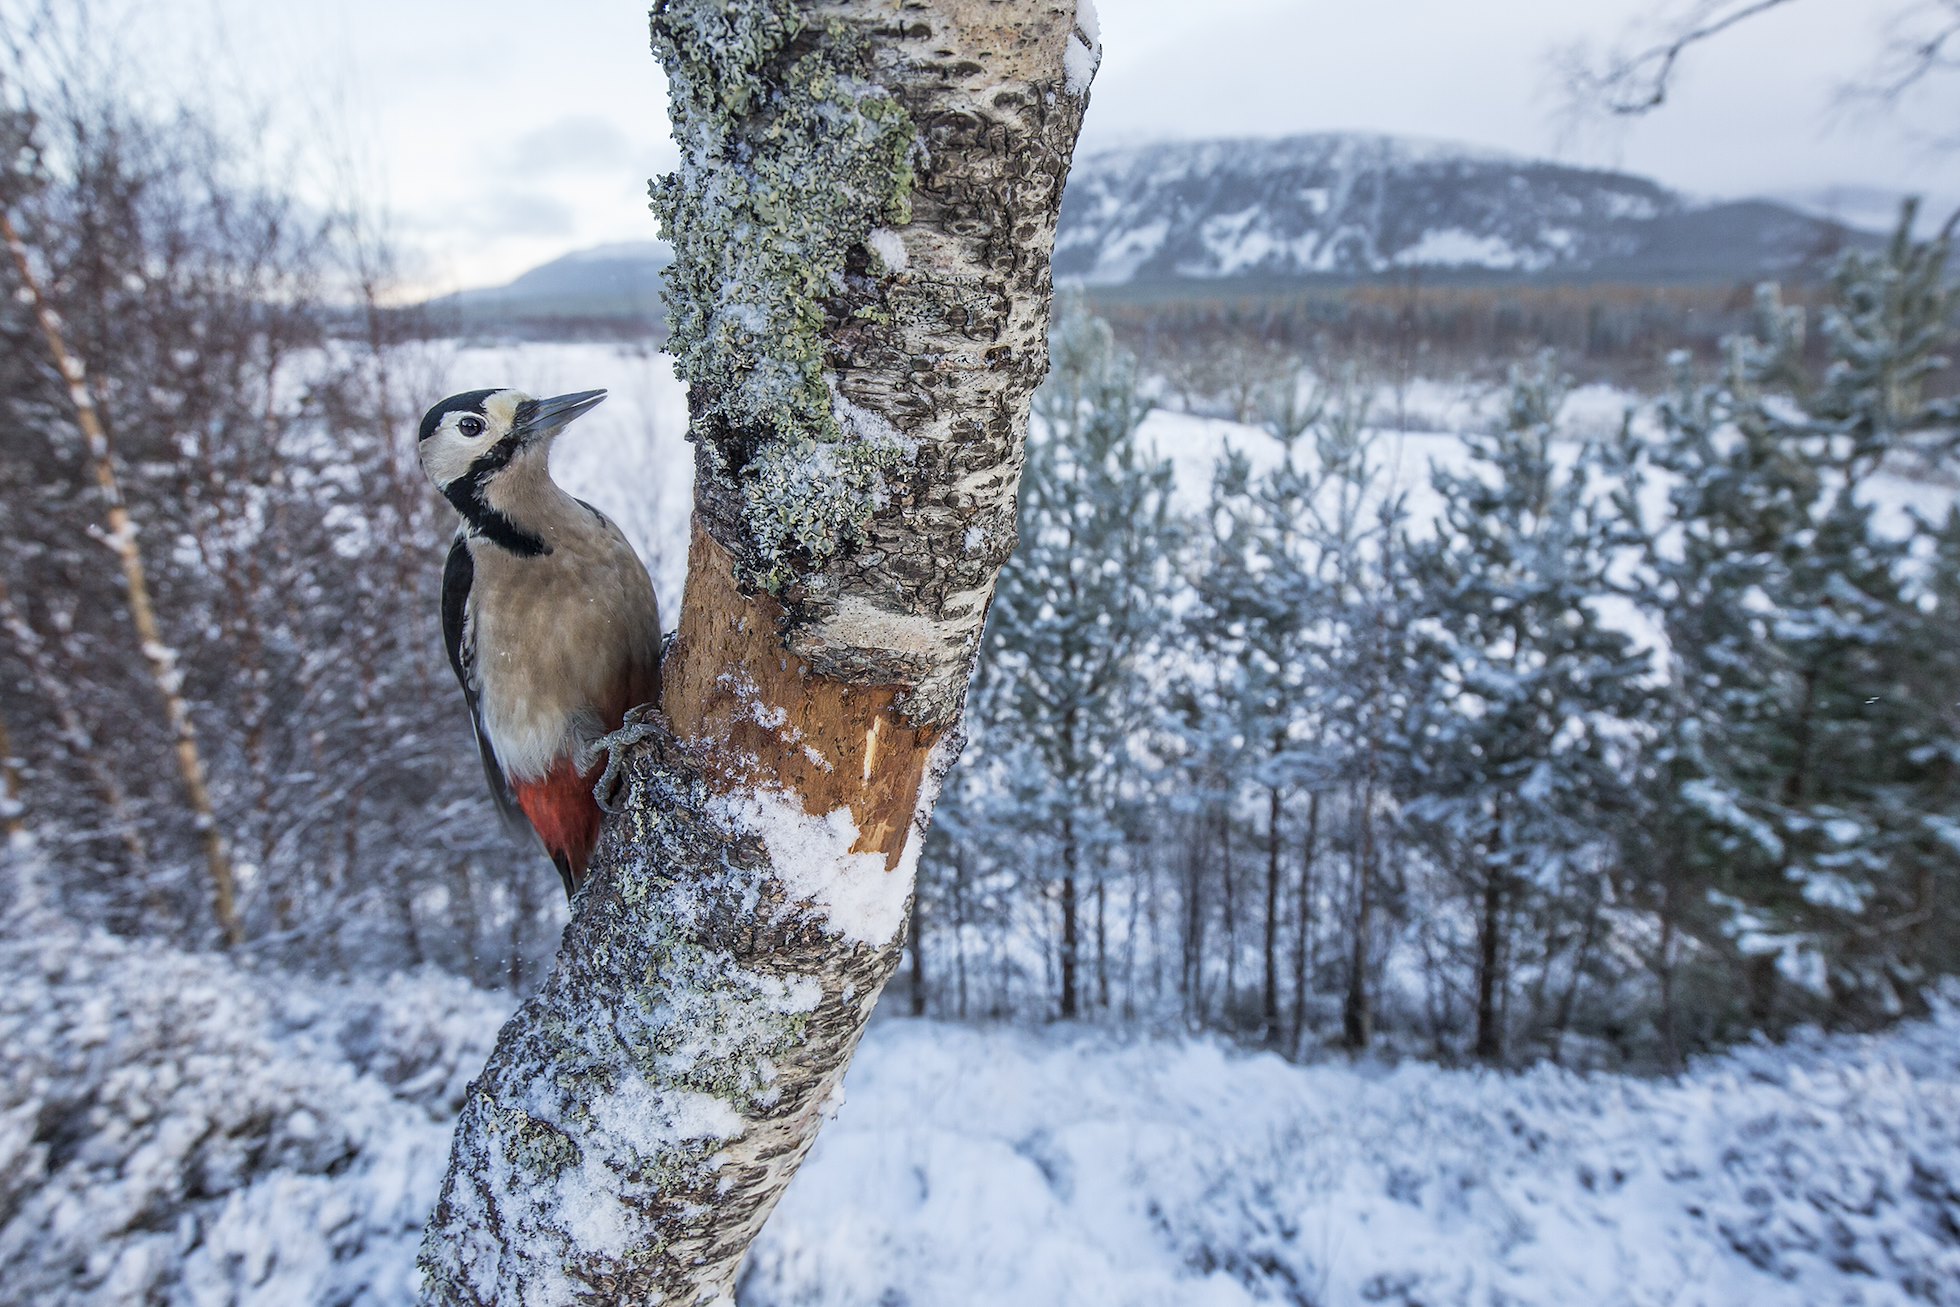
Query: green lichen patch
[[535, 1146], [792, 154], [703, 1018]]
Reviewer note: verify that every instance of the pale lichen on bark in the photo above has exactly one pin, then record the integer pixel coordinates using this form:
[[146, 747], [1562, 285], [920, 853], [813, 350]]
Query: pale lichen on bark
[[791, 154], [863, 225]]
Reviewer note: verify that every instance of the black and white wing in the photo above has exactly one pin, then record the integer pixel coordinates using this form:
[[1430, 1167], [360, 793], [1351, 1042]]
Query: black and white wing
[[459, 638]]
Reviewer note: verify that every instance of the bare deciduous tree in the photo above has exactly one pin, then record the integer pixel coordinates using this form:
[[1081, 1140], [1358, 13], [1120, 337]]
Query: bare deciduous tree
[[121, 536]]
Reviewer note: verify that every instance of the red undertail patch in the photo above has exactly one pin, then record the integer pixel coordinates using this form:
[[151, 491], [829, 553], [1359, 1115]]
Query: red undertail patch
[[564, 814]]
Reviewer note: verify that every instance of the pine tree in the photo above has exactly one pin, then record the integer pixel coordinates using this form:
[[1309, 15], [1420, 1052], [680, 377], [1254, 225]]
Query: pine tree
[[1524, 739], [1298, 624], [1887, 326], [1063, 697], [1798, 633], [1256, 621], [1929, 932]]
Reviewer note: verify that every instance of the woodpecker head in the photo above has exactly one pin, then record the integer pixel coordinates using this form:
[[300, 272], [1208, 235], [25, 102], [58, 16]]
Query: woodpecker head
[[480, 442]]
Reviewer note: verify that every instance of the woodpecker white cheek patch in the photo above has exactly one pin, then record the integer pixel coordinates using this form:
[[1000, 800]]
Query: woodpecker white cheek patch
[[501, 410], [446, 455]]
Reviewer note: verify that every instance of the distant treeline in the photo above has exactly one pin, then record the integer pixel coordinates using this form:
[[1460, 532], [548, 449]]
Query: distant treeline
[[1418, 327]]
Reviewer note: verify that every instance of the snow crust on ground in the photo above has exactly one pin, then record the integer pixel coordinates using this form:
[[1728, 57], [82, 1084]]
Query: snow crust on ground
[[181, 1129], [1082, 1170], [176, 1129]]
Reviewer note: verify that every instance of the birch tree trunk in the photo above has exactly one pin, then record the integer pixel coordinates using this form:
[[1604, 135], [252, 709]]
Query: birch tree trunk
[[158, 656], [862, 225]]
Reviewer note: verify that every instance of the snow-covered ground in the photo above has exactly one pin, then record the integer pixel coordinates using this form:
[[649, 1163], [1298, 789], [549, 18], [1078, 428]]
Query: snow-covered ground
[[181, 1129], [176, 1129]]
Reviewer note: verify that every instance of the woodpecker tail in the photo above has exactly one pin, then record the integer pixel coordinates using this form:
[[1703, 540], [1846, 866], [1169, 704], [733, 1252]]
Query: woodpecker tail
[[563, 861], [562, 811]]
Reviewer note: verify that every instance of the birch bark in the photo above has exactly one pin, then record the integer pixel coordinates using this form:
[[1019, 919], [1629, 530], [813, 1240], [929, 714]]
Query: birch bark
[[863, 223], [158, 656]]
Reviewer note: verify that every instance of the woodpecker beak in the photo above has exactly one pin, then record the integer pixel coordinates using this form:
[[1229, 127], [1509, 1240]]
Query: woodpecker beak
[[542, 418]]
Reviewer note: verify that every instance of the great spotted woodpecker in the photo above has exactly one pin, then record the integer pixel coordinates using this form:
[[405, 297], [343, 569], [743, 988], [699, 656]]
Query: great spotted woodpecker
[[548, 614]]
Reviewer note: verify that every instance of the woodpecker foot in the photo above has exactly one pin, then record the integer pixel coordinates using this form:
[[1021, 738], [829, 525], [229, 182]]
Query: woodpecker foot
[[640, 725]]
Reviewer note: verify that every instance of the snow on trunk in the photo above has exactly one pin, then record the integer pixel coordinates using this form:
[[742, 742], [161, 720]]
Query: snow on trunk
[[863, 223]]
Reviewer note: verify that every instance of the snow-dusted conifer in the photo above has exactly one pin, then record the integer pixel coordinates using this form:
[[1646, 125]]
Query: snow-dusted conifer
[[1080, 605], [1798, 631], [1254, 723], [1888, 325], [1525, 735]]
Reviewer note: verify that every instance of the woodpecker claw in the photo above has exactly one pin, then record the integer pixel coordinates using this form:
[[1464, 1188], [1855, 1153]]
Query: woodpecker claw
[[640, 725]]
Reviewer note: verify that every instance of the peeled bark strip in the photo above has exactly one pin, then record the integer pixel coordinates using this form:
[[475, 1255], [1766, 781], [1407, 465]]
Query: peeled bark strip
[[863, 227]]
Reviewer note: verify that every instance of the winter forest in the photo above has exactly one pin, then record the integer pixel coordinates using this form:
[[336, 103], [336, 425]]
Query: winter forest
[[1457, 795]]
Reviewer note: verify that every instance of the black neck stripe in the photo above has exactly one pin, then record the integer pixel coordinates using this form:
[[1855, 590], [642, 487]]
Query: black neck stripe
[[470, 494]]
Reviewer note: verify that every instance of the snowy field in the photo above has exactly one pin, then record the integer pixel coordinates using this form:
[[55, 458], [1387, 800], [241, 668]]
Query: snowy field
[[175, 1129]]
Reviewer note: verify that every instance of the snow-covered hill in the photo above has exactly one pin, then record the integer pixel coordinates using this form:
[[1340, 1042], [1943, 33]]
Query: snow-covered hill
[[1337, 204], [1354, 205], [177, 1129]]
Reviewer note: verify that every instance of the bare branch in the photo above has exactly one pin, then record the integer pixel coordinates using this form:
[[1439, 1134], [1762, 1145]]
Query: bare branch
[[1921, 44], [1634, 81]]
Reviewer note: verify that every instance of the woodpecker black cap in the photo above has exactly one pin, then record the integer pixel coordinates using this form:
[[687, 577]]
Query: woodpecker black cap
[[470, 401]]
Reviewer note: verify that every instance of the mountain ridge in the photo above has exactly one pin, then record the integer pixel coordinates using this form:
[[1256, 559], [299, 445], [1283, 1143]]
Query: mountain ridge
[[1324, 207], [1356, 205]]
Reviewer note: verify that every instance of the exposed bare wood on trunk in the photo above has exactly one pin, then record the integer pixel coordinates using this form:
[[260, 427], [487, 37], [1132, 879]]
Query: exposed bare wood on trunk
[[763, 716], [863, 227], [158, 655]]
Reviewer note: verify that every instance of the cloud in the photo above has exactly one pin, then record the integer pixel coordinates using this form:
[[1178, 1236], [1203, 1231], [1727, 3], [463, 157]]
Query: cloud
[[580, 143], [501, 214]]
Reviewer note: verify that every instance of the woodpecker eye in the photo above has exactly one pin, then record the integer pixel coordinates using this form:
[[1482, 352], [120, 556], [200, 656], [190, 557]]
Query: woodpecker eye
[[470, 426]]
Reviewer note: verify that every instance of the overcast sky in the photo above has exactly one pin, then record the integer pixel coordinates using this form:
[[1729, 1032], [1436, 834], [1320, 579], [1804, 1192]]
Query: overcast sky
[[502, 133]]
